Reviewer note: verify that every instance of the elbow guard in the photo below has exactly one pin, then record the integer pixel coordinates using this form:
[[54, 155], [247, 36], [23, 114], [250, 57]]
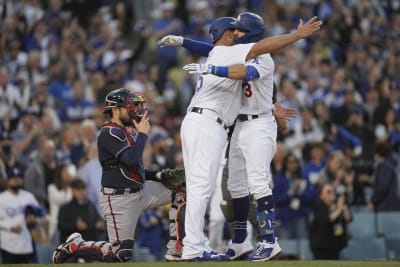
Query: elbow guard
[[251, 73]]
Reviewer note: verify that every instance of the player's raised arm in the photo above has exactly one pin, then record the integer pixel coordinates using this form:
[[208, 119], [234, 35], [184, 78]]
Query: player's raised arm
[[275, 43], [196, 47]]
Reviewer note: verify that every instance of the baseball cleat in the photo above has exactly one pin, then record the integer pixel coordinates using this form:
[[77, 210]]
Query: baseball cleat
[[210, 256], [265, 251], [237, 250], [173, 257], [64, 251]]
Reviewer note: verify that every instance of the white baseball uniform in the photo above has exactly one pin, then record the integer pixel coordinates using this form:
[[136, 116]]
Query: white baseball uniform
[[253, 142], [12, 213], [215, 104]]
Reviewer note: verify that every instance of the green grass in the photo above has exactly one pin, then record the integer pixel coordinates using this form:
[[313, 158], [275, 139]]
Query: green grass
[[279, 263]]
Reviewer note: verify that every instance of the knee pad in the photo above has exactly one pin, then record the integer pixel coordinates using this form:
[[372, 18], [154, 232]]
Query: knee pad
[[177, 218]]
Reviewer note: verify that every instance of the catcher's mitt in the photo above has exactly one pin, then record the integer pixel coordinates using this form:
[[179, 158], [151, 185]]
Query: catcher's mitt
[[173, 179]]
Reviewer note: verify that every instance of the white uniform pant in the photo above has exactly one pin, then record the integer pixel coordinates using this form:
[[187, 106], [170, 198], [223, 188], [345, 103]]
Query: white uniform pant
[[203, 141], [217, 218], [252, 148]]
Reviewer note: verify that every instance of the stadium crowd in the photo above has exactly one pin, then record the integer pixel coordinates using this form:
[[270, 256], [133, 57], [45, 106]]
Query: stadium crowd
[[59, 59]]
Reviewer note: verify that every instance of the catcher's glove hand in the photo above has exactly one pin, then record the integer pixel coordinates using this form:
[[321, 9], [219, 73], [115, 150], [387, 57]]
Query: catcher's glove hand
[[172, 179]]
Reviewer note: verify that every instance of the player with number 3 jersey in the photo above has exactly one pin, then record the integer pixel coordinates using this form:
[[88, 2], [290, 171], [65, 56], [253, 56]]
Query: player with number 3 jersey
[[215, 104]]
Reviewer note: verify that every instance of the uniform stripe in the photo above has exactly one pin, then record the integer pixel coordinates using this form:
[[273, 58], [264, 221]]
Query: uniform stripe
[[113, 218]]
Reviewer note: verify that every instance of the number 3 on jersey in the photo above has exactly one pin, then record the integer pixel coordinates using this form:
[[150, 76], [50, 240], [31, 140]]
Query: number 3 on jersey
[[247, 90]]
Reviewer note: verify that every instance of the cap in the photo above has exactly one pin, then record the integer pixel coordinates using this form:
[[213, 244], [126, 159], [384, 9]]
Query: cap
[[14, 172], [158, 137], [77, 183]]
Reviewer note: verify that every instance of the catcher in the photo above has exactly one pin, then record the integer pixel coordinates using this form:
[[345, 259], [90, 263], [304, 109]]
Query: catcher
[[127, 188]]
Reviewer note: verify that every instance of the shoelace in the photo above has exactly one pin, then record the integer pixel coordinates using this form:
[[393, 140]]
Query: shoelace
[[260, 247]]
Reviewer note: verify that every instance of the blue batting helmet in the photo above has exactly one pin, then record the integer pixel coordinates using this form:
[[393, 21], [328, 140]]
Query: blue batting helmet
[[220, 25], [253, 24]]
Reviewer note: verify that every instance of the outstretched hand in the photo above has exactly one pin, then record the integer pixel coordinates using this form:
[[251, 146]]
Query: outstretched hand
[[170, 40], [308, 28]]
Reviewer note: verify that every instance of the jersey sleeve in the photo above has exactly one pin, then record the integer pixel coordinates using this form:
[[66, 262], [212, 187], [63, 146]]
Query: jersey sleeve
[[264, 65]]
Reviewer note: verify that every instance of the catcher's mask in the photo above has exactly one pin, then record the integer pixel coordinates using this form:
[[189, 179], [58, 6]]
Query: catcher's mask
[[133, 102]]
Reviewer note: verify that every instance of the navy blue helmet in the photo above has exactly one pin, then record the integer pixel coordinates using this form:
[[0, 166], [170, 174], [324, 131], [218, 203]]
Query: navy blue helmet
[[220, 25], [254, 26]]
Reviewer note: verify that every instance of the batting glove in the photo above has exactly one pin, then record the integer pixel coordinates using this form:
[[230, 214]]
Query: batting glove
[[194, 68], [170, 40]]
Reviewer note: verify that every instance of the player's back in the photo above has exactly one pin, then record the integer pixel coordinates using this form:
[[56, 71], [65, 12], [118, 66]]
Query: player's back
[[222, 95], [257, 94]]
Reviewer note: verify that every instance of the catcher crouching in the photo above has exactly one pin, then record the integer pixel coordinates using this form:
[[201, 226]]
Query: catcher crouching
[[127, 188]]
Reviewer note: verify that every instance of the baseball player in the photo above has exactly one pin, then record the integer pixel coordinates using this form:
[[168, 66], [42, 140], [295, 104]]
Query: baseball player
[[252, 146], [214, 106], [127, 189]]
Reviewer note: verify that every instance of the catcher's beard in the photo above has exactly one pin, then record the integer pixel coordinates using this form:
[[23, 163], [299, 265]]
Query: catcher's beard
[[126, 120]]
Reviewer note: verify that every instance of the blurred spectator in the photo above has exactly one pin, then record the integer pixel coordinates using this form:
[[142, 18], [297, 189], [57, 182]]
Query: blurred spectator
[[167, 57], [339, 174], [78, 107], [159, 149], [385, 195], [90, 173], [149, 235], [69, 148], [14, 59], [313, 168], [40, 172], [11, 100], [293, 196], [16, 244], [328, 231], [305, 132], [25, 139], [174, 150], [79, 215], [59, 194]]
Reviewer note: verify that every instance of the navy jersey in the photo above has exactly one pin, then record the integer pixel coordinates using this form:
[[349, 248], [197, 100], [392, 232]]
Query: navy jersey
[[121, 156]]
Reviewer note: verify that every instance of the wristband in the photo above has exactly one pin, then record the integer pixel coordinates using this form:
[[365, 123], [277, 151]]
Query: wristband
[[220, 71]]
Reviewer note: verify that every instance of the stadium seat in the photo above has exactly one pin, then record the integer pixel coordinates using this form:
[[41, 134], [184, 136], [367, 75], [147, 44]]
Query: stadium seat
[[304, 250], [371, 248], [363, 225], [389, 224], [393, 248]]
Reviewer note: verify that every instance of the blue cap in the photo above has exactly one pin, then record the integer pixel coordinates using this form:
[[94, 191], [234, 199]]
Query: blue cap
[[14, 172], [158, 137]]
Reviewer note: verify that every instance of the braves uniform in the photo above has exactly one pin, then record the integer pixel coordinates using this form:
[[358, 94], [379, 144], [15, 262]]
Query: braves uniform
[[214, 106], [125, 194]]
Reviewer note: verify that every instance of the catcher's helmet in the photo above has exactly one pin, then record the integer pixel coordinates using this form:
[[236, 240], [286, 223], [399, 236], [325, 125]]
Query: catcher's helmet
[[254, 26], [220, 25], [133, 102]]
